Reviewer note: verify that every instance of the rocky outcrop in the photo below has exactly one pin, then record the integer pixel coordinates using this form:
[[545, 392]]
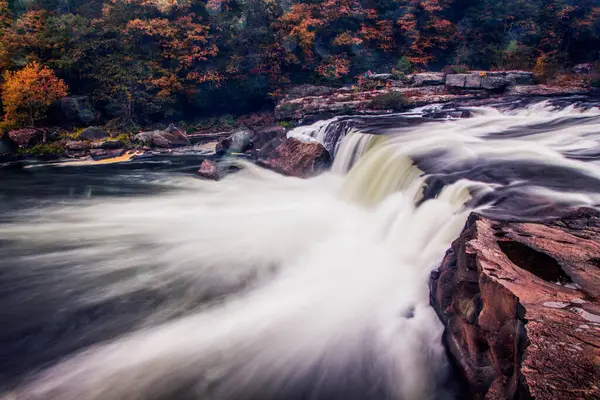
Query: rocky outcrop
[[75, 110], [427, 79], [238, 142], [521, 306], [168, 138], [209, 170], [489, 80], [307, 104], [26, 137], [262, 136], [295, 158], [93, 133]]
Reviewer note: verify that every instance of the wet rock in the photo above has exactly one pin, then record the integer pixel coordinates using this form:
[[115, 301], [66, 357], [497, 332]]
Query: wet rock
[[26, 137], [93, 133], [295, 158], [168, 138], [102, 154], [209, 170], [427, 78], [266, 134], [76, 110], [583, 69], [521, 306], [238, 142]]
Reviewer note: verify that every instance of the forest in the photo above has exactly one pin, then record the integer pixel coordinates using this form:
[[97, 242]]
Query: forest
[[149, 60]]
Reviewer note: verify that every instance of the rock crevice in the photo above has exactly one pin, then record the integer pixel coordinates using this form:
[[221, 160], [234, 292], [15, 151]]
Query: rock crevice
[[519, 301]]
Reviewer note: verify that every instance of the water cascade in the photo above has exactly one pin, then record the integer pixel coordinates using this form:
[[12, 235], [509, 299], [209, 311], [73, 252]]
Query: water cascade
[[267, 287]]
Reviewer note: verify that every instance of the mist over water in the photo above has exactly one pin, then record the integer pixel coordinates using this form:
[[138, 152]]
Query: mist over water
[[267, 287]]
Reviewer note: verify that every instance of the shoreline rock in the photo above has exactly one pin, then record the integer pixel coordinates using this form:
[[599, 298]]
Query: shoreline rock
[[521, 307]]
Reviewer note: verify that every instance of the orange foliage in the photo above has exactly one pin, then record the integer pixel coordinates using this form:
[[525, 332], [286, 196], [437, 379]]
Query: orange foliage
[[425, 28], [347, 39], [334, 67], [382, 34], [27, 94]]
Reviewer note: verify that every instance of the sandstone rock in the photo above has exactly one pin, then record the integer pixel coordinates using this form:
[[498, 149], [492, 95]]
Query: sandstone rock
[[521, 306], [93, 133], [427, 78], [456, 80], [238, 142], [77, 110], [209, 170], [102, 154], [473, 81], [494, 83], [295, 158], [26, 137]]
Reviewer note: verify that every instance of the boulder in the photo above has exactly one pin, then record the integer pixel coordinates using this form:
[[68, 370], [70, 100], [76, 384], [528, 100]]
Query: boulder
[[266, 134], [381, 77], [144, 138], [93, 133], [26, 137], [494, 82], [238, 142], [102, 154], [76, 110], [519, 78], [209, 170], [427, 79], [168, 138], [295, 158], [520, 302]]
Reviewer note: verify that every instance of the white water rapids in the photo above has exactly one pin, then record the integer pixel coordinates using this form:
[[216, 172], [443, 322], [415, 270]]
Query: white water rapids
[[280, 288]]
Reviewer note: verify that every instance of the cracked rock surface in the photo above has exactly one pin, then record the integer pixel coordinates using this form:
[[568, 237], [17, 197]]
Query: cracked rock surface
[[521, 305]]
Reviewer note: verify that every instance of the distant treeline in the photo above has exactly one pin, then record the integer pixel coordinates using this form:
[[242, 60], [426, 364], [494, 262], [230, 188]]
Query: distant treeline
[[145, 60]]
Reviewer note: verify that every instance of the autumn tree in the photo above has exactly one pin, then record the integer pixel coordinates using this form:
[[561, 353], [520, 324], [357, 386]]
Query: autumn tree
[[27, 94]]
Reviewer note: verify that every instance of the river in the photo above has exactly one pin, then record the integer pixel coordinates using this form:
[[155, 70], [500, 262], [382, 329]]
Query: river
[[138, 280]]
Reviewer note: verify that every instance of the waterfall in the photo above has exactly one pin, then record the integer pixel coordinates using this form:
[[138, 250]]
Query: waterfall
[[262, 286]]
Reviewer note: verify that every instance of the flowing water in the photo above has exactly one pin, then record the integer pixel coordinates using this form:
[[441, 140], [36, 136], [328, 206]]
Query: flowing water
[[139, 281]]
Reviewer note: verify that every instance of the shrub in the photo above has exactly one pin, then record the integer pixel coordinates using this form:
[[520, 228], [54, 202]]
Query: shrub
[[455, 69], [389, 101], [27, 94]]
